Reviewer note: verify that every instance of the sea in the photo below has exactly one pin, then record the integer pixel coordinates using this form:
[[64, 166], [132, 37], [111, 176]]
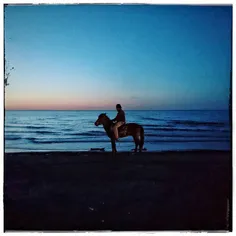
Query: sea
[[40, 131]]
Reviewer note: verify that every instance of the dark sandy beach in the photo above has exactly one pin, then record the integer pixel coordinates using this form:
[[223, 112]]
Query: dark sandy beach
[[95, 191]]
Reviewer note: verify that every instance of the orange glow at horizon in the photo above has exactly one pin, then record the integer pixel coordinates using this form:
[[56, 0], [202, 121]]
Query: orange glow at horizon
[[68, 104], [22, 105], [54, 101]]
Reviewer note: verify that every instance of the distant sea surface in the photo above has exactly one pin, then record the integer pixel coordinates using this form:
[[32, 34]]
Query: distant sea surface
[[75, 130]]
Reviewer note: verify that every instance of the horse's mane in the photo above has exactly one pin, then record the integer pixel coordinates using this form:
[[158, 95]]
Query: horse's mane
[[105, 114]]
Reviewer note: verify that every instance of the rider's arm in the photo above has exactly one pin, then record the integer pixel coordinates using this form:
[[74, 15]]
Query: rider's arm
[[115, 119]]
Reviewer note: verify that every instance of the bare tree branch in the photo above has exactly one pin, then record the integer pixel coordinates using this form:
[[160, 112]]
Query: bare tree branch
[[7, 73]]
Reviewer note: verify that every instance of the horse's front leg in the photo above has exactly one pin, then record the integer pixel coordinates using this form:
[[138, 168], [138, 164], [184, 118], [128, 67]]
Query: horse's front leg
[[113, 145]]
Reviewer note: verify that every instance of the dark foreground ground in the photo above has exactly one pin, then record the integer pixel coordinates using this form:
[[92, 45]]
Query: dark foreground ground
[[95, 191]]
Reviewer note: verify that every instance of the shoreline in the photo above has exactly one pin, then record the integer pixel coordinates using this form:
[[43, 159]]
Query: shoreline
[[168, 190], [121, 152]]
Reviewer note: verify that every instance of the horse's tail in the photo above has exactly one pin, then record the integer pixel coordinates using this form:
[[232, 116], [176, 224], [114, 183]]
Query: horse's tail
[[142, 138]]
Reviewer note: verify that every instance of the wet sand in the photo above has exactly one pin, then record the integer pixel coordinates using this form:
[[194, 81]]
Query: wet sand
[[95, 191]]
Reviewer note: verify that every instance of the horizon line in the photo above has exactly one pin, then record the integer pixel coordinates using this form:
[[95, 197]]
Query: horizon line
[[115, 109]]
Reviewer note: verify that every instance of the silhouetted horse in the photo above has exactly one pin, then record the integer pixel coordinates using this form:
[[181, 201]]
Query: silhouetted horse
[[130, 129]]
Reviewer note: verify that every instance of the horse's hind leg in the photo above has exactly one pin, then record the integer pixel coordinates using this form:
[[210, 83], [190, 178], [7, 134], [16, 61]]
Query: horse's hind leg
[[136, 147], [141, 145], [136, 141], [140, 148], [141, 141]]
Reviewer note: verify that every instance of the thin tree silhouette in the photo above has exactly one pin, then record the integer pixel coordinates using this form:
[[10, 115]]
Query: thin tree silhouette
[[7, 73]]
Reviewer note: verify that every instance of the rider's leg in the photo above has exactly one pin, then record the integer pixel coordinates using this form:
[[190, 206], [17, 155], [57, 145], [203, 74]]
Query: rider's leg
[[115, 130], [116, 126]]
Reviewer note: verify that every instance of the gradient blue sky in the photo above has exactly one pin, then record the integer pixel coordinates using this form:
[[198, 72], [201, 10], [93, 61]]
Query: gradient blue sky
[[144, 57]]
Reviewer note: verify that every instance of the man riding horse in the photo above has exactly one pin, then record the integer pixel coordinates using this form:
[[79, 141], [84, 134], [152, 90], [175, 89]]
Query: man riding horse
[[131, 129], [119, 119]]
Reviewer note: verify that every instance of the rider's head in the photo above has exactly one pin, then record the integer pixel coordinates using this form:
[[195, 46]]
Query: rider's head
[[118, 107]]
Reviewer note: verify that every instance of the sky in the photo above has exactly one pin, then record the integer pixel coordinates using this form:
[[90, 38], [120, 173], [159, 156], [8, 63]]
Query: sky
[[95, 56]]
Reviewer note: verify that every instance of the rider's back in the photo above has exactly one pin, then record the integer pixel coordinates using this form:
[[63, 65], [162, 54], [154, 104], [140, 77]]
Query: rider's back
[[120, 116]]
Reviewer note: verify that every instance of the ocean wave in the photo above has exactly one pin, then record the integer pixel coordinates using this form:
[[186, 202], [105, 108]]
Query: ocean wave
[[37, 141], [183, 135], [152, 119], [31, 132], [196, 123], [26, 126], [186, 129], [97, 134], [67, 129], [44, 132], [9, 137], [89, 133], [36, 127], [156, 125]]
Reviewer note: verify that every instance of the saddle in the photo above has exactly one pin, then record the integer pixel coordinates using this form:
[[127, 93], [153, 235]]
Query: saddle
[[122, 128]]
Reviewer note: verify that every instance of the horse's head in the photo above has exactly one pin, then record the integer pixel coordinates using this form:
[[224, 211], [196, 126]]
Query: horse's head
[[101, 119]]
